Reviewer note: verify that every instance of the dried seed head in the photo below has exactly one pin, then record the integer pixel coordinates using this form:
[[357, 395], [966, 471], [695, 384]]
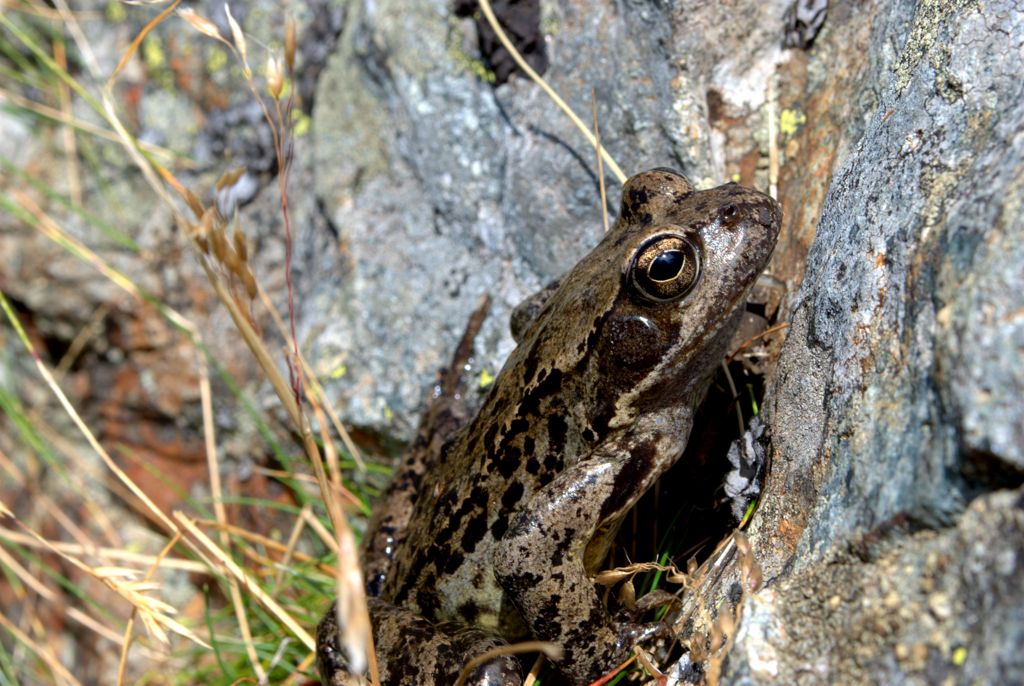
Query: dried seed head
[[275, 78], [677, 577], [229, 178], [199, 23], [238, 238], [231, 261], [185, 226], [193, 203], [248, 282], [742, 545], [228, 189], [196, 233], [727, 623], [610, 577], [289, 44], [239, 38], [219, 244], [207, 222], [754, 578], [627, 595]]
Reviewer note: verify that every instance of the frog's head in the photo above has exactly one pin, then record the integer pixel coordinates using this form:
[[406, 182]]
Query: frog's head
[[641, 321], [688, 259]]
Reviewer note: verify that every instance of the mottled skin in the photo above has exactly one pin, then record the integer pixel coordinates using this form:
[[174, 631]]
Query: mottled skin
[[515, 512]]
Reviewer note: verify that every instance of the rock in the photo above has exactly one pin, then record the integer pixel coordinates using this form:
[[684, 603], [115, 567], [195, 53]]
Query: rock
[[897, 397], [901, 606]]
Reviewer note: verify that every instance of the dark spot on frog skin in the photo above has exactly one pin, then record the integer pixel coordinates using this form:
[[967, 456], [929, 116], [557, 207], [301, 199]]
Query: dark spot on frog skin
[[454, 561], [469, 612], [528, 579], [426, 597], [548, 385], [557, 429], [476, 500], [549, 621], [516, 427], [530, 368], [506, 461], [637, 196], [641, 457], [601, 415], [634, 206], [558, 558], [440, 550], [510, 498], [443, 454], [595, 331], [553, 462], [444, 536], [474, 448], [533, 465], [474, 531], [492, 433], [499, 528]]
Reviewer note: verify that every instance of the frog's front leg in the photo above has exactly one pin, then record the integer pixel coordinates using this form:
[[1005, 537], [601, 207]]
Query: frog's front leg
[[412, 650], [540, 559]]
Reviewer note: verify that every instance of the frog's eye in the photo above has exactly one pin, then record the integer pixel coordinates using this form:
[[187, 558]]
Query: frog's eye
[[665, 268]]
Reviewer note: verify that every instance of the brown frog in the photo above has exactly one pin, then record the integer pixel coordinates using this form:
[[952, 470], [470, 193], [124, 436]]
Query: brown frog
[[493, 531]]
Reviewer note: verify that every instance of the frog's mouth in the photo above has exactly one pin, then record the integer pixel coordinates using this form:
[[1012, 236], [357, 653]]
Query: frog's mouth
[[711, 330]]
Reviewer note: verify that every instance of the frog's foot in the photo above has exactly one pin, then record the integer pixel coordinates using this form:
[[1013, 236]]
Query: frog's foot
[[412, 650], [590, 654]]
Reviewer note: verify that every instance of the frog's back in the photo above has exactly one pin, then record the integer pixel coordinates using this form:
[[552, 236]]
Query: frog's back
[[515, 446]]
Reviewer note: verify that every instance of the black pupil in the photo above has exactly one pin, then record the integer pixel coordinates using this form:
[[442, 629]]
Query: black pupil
[[666, 266]]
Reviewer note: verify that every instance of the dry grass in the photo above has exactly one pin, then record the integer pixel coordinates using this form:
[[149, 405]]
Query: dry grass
[[263, 636]]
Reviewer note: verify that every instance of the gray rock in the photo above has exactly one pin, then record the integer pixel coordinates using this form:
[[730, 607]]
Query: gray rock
[[929, 607], [897, 398]]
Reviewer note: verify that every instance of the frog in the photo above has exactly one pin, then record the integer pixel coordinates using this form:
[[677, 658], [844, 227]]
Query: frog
[[494, 527]]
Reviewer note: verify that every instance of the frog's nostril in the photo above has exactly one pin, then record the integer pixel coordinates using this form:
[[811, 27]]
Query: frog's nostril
[[768, 215]]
